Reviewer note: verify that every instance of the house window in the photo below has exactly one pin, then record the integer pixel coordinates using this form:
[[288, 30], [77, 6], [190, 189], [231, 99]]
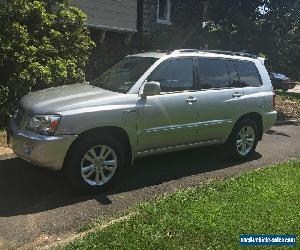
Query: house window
[[164, 12]]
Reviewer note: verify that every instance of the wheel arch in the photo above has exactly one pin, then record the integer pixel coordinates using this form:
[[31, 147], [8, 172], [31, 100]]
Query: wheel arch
[[117, 133], [257, 118]]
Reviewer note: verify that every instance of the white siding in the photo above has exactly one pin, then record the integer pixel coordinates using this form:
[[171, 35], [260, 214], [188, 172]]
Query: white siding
[[110, 14]]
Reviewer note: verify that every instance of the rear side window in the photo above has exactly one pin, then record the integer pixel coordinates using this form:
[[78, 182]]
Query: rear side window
[[248, 74], [213, 73], [174, 75]]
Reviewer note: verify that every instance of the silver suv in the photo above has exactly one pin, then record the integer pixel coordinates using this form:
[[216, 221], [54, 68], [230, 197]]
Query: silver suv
[[148, 103]]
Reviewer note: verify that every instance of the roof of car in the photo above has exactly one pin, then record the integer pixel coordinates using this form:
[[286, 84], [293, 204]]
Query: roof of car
[[196, 52]]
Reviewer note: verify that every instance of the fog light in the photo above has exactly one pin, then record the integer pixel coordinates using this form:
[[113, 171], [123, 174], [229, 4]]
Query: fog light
[[27, 148]]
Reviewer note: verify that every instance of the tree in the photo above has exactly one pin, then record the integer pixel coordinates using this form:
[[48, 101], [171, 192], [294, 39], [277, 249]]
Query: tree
[[268, 27], [280, 28], [42, 44], [232, 24]]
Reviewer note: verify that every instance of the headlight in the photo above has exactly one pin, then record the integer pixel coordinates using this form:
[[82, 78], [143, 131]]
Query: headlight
[[43, 124]]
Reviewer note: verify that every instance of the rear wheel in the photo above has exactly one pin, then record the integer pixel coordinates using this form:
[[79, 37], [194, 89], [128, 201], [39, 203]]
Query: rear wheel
[[244, 138], [94, 163]]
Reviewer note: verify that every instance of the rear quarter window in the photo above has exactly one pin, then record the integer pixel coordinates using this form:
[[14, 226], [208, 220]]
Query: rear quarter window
[[248, 74]]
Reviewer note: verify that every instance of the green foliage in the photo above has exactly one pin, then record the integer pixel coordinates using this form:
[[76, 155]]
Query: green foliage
[[42, 44], [269, 27], [210, 217], [281, 32]]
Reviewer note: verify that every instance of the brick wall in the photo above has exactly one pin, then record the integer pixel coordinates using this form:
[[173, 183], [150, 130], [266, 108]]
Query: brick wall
[[186, 16], [149, 16]]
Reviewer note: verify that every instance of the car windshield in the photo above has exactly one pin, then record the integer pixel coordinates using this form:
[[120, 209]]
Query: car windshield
[[122, 76]]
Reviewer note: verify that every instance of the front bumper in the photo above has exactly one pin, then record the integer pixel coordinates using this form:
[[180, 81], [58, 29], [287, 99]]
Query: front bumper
[[42, 150], [269, 120]]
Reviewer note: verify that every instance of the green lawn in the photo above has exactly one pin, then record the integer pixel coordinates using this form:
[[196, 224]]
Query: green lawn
[[212, 216], [291, 95]]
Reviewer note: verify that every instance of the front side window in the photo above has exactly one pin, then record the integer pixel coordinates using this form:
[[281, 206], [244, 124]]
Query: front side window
[[213, 73], [174, 75], [122, 76], [248, 74]]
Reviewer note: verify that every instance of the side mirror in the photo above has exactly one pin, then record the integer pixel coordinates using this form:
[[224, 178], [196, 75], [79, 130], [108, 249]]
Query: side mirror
[[151, 88]]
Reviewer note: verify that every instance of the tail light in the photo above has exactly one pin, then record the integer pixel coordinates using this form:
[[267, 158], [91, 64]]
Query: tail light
[[274, 100]]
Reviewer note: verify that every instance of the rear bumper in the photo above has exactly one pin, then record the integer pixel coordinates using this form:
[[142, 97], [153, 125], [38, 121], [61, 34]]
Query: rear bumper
[[42, 150], [269, 120]]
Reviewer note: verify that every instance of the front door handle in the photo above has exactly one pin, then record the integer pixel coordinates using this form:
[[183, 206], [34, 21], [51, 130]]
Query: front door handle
[[237, 95], [192, 99]]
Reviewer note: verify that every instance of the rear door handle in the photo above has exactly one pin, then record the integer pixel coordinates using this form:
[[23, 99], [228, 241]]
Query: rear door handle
[[127, 111], [237, 95], [192, 99]]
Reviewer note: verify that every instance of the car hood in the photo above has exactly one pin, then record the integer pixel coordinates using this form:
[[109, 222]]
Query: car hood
[[67, 97]]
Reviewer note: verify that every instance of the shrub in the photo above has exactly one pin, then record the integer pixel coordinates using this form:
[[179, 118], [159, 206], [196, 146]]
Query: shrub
[[43, 43]]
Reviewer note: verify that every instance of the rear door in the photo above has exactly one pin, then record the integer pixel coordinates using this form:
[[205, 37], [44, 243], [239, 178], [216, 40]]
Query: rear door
[[220, 99]]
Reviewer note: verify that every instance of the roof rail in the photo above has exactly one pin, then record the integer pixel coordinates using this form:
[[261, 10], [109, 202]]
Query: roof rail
[[224, 52], [233, 53], [184, 50]]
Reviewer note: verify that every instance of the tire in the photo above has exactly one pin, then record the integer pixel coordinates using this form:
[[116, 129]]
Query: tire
[[240, 144], [94, 163]]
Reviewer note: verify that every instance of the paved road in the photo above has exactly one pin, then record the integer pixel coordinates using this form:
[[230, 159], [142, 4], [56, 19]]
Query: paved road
[[37, 204], [295, 90]]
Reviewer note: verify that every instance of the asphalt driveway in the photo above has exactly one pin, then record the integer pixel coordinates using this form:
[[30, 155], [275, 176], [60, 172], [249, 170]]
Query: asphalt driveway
[[37, 205], [295, 90]]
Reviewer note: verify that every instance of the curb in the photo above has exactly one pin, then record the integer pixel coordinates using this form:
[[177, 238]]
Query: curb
[[288, 122]]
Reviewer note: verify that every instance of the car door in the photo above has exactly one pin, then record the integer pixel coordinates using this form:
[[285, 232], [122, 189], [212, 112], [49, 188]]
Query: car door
[[168, 119], [220, 101]]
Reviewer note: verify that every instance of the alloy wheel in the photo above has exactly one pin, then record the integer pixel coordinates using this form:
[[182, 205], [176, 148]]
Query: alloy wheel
[[245, 140], [98, 165]]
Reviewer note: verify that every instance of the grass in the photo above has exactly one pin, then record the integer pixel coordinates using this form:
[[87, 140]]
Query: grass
[[292, 95], [210, 217]]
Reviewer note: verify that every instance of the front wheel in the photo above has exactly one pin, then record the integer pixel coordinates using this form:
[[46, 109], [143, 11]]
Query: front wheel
[[244, 138], [94, 163]]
